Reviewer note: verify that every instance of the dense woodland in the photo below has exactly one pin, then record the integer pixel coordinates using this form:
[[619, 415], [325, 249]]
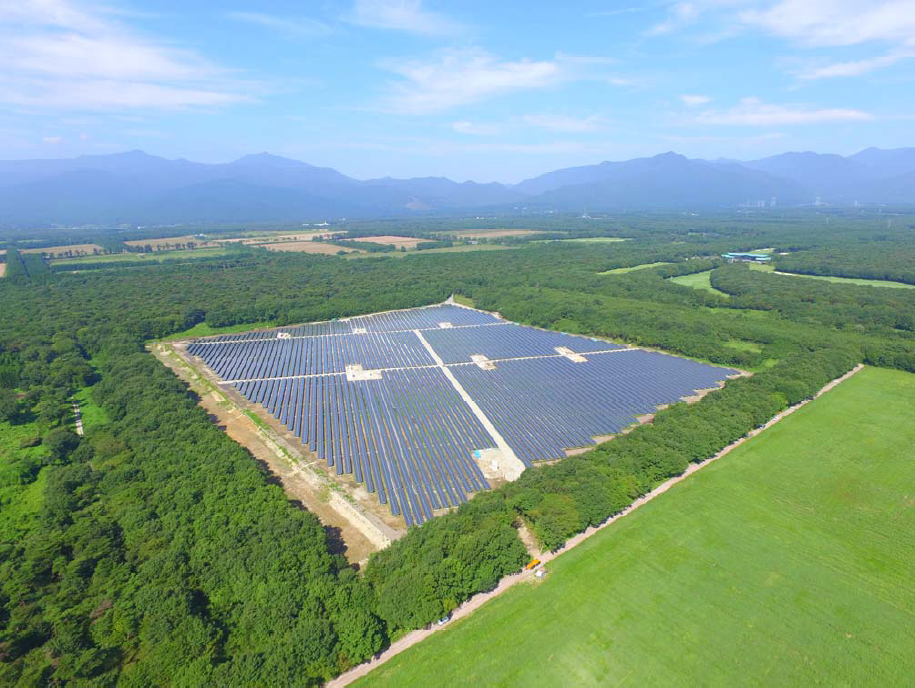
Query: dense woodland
[[154, 550]]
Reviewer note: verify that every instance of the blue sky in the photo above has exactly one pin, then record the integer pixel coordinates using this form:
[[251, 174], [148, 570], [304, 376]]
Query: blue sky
[[480, 90]]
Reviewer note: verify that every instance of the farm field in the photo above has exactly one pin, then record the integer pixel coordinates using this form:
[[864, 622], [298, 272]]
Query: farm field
[[74, 249], [698, 280], [461, 248], [837, 280], [2, 269], [317, 247], [594, 240], [786, 563], [623, 271], [169, 243], [495, 233], [397, 241], [156, 257]]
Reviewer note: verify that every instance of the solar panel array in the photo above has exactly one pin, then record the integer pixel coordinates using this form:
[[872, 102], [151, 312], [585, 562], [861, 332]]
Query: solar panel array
[[409, 436]]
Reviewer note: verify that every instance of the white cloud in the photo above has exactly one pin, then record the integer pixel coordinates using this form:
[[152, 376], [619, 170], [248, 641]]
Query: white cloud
[[52, 140], [402, 15], [681, 14], [836, 22], [476, 128], [566, 123], [301, 26], [694, 100], [460, 76], [850, 67], [752, 112], [54, 54]]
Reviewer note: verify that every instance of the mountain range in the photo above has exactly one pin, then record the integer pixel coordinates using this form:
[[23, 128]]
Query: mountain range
[[137, 188]]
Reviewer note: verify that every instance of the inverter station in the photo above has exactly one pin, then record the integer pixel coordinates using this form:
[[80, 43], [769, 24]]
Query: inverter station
[[424, 406]]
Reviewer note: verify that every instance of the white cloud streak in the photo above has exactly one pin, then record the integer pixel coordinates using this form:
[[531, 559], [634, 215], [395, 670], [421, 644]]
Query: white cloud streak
[[403, 15], [752, 112], [456, 77], [566, 123], [694, 100], [53, 54], [301, 26], [832, 23]]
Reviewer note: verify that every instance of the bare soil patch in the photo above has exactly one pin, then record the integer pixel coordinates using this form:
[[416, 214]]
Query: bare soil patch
[[2, 269], [356, 524], [308, 247], [398, 241]]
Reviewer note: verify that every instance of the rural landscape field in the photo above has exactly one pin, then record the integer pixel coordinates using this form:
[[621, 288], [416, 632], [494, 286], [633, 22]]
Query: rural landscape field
[[423, 343], [787, 559]]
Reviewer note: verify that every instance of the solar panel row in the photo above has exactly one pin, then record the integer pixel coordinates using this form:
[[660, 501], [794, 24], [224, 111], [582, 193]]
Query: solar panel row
[[544, 406], [409, 436], [507, 341], [316, 355], [413, 319]]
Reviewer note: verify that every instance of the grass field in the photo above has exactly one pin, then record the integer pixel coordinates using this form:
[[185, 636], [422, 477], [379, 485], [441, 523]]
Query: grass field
[[698, 280], [155, 257], [788, 562], [593, 240], [623, 271], [460, 248], [837, 280]]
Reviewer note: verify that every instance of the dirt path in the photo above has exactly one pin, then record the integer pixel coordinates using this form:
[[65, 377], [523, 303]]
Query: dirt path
[[511, 580], [77, 419], [353, 531]]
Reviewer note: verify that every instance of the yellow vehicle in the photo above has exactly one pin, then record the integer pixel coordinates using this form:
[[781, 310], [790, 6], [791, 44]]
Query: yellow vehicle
[[532, 564]]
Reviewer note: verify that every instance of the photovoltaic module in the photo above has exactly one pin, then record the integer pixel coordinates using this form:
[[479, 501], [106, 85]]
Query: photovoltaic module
[[408, 401]]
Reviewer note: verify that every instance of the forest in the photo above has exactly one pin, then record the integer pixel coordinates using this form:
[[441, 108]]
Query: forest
[[155, 550]]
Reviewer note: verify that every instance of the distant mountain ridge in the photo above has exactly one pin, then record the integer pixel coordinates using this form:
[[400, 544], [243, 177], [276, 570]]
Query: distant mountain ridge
[[137, 188]]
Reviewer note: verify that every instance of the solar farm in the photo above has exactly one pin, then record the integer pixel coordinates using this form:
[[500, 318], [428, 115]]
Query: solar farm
[[426, 406]]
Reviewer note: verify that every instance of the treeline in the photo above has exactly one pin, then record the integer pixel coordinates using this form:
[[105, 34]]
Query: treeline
[[883, 260], [890, 312]]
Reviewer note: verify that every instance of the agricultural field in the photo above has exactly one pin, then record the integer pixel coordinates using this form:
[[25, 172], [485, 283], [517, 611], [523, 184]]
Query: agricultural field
[[396, 241], [594, 240], [63, 251], [171, 243], [315, 247], [427, 406], [155, 257], [698, 280], [459, 248], [837, 280], [495, 233], [787, 562], [2, 269]]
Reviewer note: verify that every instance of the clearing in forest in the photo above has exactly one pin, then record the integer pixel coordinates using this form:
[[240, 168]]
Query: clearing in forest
[[495, 233], [788, 562], [397, 241], [698, 280], [318, 247]]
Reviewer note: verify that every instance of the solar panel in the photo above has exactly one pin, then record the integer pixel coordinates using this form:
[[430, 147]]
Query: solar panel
[[383, 397]]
